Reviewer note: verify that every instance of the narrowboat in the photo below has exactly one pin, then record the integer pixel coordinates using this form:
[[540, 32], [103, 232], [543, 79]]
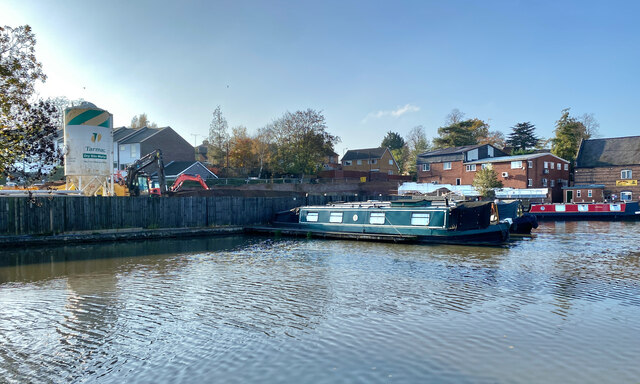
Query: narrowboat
[[412, 221], [587, 211], [521, 223]]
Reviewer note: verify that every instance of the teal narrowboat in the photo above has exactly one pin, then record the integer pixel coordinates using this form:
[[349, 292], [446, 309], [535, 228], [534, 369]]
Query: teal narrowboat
[[419, 221]]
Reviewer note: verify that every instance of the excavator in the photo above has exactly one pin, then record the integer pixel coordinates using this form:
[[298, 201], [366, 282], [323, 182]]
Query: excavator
[[137, 181]]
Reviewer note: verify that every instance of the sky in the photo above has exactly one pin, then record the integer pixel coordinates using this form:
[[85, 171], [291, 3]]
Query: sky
[[369, 66]]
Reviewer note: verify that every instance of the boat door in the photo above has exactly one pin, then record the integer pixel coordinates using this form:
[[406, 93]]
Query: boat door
[[569, 196]]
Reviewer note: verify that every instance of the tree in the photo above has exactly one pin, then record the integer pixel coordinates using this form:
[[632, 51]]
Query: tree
[[485, 181], [241, 155], [569, 133], [61, 103], [495, 138], [301, 142], [218, 138], [417, 143], [141, 121], [454, 117], [590, 123], [27, 126], [263, 148], [523, 137], [393, 140], [466, 132]]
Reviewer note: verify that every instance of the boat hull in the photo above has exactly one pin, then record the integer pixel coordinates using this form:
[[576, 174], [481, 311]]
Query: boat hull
[[598, 211]]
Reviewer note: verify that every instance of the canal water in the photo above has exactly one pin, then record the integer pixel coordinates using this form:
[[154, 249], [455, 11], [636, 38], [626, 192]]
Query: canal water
[[560, 307]]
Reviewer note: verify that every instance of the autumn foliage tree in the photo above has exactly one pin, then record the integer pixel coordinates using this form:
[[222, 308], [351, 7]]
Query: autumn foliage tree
[[467, 132], [485, 181], [301, 142], [27, 126], [569, 133]]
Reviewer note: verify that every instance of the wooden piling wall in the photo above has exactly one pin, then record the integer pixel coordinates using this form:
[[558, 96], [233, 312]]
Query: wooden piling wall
[[55, 215]]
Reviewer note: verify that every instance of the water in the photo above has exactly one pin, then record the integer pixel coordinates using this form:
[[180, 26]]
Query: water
[[560, 307]]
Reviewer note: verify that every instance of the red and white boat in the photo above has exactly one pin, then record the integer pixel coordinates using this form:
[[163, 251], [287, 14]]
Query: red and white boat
[[587, 211]]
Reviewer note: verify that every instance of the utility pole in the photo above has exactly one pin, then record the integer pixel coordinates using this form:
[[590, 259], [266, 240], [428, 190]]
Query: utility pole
[[195, 139]]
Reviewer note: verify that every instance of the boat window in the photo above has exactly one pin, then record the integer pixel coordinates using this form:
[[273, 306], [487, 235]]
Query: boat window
[[625, 196], [335, 217], [615, 207], [312, 216], [583, 208], [376, 218], [419, 219], [561, 208]]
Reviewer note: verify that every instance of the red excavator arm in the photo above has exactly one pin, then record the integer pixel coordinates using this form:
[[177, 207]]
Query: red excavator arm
[[184, 177]]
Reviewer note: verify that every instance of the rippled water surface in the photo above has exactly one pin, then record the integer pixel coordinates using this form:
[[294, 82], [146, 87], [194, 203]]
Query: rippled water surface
[[563, 306]]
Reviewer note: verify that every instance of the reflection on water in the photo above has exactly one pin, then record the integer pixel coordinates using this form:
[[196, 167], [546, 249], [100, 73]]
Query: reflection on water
[[561, 306]]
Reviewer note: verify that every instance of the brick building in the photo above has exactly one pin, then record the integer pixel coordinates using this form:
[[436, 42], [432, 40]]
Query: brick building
[[370, 160], [458, 166], [589, 193], [612, 162]]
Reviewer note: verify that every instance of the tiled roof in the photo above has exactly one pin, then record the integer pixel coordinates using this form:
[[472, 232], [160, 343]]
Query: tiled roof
[[363, 154], [608, 152], [451, 150]]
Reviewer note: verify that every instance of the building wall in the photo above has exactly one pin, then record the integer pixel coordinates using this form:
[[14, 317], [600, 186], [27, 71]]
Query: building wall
[[382, 165], [597, 195], [515, 178], [608, 176]]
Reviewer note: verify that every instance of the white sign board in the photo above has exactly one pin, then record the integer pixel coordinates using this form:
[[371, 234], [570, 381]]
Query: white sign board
[[89, 150]]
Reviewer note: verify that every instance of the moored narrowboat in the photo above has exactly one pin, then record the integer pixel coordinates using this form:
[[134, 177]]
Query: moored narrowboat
[[413, 221], [587, 211]]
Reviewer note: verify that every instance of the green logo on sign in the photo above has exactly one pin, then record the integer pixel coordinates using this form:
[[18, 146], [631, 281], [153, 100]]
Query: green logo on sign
[[94, 156]]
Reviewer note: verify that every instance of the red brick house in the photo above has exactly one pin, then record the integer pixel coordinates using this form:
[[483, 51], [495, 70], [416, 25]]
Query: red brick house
[[458, 166], [612, 162]]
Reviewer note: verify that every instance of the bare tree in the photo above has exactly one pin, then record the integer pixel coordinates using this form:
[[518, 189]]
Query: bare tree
[[454, 117], [591, 125]]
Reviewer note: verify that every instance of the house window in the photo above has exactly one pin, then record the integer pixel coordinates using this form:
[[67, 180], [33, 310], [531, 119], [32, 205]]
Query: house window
[[376, 218], [122, 147], [373, 161], [544, 182], [530, 164], [578, 193], [589, 193], [490, 151], [134, 151], [625, 196], [471, 168], [419, 218], [487, 165], [559, 167], [312, 216], [546, 165], [335, 217], [458, 181], [390, 162], [426, 167], [347, 162], [566, 167], [516, 164], [446, 165], [626, 174], [553, 183], [359, 162], [529, 182]]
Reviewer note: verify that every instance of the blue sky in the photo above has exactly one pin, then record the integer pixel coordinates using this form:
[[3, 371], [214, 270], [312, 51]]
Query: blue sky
[[369, 66]]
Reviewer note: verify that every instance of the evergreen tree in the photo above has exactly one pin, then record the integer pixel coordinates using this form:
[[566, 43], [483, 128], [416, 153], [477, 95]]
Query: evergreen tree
[[218, 138], [468, 132], [485, 181], [393, 141], [522, 137]]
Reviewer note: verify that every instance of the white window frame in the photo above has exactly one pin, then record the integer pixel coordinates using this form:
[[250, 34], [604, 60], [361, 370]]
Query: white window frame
[[390, 161], [446, 165], [426, 167], [578, 193], [530, 164], [625, 194], [335, 217], [529, 182], [458, 181], [373, 161], [471, 167], [312, 217], [589, 193], [359, 162], [566, 166], [347, 162], [420, 218], [626, 174], [486, 165], [553, 183], [544, 182], [376, 218], [516, 164], [559, 167]]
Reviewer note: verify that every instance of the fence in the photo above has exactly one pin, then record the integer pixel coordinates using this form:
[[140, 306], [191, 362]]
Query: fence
[[21, 216]]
